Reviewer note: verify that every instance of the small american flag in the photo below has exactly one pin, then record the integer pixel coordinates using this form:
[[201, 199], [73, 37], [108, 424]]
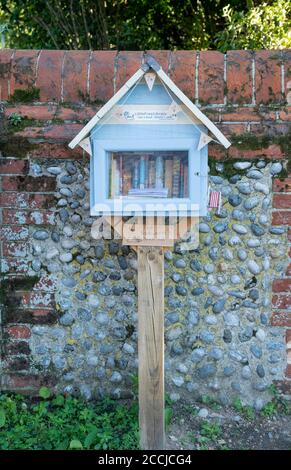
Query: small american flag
[[214, 199]]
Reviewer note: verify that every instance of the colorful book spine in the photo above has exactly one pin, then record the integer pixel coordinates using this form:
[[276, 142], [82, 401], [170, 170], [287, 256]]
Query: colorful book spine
[[169, 176], [181, 189], [176, 177], [135, 180], [127, 176], [186, 181], [142, 170], [147, 161], [159, 171], [152, 173]]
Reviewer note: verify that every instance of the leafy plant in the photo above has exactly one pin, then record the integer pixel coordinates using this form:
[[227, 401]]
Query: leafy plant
[[277, 405], [62, 423], [44, 392], [15, 119], [265, 26], [246, 410], [269, 410], [210, 430]]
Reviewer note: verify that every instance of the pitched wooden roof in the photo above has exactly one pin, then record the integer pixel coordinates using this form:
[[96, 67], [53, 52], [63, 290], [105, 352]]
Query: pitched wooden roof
[[149, 63]]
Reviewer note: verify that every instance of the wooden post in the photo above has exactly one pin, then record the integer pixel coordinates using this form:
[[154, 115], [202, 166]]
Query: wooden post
[[151, 347]]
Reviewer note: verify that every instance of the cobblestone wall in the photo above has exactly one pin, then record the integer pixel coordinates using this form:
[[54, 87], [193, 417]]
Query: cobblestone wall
[[69, 302]]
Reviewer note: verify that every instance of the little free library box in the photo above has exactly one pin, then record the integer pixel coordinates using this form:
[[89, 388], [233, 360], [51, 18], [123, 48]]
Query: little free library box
[[148, 150]]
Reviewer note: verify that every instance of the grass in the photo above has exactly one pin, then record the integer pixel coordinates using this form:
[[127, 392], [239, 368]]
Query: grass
[[60, 423]]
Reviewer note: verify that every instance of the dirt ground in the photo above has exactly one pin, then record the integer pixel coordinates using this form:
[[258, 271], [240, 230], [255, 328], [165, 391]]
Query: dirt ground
[[227, 429]]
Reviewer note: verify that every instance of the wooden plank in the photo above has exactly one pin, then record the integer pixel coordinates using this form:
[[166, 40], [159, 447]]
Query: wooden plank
[[132, 242], [151, 347]]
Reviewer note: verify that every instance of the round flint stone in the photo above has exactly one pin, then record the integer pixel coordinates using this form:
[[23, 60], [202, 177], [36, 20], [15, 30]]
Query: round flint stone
[[276, 168], [195, 265], [251, 203], [257, 230], [242, 165], [260, 370], [55, 237], [204, 228], [206, 371], [253, 267], [277, 230], [218, 306], [71, 168], [244, 188], [64, 215], [40, 235], [66, 320], [261, 188], [54, 170], [180, 263], [193, 317], [66, 257], [84, 314], [254, 174], [220, 227], [241, 229], [99, 251], [197, 355], [36, 265], [256, 351], [197, 291], [113, 247], [234, 200], [181, 290], [66, 192]]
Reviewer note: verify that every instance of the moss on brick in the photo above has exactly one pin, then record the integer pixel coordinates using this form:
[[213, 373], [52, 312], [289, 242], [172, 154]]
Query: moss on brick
[[15, 146], [250, 141], [29, 95]]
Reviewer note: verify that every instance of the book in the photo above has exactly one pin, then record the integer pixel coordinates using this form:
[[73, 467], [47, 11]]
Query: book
[[148, 192], [186, 181], [152, 173], [127, 175], [168, 175], [181, 189], [176, 177], [159, 171], [142, 164], [135, 179]]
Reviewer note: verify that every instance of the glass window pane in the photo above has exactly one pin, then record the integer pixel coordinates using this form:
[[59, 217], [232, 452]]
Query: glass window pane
[[149, 174]]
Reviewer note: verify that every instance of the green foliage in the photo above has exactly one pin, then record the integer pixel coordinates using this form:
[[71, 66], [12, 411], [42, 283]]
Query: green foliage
[[277, 405], [44, 392], [269, 410], [245, 410], [209, 401], [60, 423], [266, 26], [15, 119], [27, 95], [144, 24], [210, 430]]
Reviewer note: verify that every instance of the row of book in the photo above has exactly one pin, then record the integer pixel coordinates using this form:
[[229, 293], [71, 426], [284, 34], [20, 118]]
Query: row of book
[[158, 174]]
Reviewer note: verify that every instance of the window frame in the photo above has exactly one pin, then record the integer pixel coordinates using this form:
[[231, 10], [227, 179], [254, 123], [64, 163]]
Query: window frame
[[100, 204]]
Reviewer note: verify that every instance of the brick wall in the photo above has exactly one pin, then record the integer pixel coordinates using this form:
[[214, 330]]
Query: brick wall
[[247, 94]]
